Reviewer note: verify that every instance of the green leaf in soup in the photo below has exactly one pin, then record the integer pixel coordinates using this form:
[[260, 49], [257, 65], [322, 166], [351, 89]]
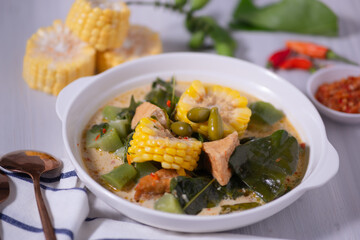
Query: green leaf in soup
[[238, 207], [235, 188], [194, 194], [264, 113], [298, 16], [264, 163]]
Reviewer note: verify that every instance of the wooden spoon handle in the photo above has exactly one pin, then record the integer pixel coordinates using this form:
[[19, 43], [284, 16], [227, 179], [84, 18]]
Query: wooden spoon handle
[[44, 216]]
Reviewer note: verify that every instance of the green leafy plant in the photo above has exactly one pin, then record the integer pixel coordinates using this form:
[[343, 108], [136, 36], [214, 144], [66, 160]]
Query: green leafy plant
[[200, 27], [264, 163], [298, 16]]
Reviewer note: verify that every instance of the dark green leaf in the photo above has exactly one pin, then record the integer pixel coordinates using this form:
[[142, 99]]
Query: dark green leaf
[[299, 16], [264, 163], [238, 207], [264, 113], [235, 187], [198, 4], [194, 194], [162, 92]]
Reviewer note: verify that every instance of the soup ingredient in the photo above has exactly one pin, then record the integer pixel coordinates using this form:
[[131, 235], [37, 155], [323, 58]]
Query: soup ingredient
[[181, 129], [218, 153], [277, 58], [104, 137], [264, 163], [231, 105], [152, 142], [343, 95], [147, 109], [122, 127], [198, 114], [154, 184], [168, 203], [298, 63], [55, 57], [103, 24], [215, 125], [315, 51], [225, 209], [145, 168], [162, 94], [194, 194], [298, 16], [120, 176], [264, 113], [111, 112], [140, 41]]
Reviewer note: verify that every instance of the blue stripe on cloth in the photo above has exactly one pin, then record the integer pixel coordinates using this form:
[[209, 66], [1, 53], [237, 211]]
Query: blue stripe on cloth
[[46, 180], [88, 219], [28, 179], [29, 228]]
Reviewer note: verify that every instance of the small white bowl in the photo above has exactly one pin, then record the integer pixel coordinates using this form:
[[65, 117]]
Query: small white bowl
[[328, 75]]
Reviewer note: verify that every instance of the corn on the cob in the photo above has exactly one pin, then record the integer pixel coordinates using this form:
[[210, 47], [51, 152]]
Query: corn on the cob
[[152, 142], [232, 107], [55, 57], [140, 42], [103, 24]]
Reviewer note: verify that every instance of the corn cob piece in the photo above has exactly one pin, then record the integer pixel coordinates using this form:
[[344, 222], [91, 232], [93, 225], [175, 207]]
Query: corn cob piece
[[55, 57], [140, 42], [232, 107], [103, 24], [152, 142]]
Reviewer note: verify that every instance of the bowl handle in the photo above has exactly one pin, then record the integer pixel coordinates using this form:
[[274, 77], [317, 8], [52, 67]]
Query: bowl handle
[[69, 93], [327, 170]]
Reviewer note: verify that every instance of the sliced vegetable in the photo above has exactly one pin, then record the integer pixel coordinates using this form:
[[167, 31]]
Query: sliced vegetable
[[299, 16], [122, 126], [316, 51], [104, 137], [121, 152], [264, 163], [145, 168], [215, 125], [225, 209], [198, 114], [168, 203], [194, 194], [120, 176], [264, 113], [182, 129], [111, 112]]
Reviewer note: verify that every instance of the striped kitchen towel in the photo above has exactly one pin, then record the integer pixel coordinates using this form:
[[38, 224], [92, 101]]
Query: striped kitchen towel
[[75, 212]]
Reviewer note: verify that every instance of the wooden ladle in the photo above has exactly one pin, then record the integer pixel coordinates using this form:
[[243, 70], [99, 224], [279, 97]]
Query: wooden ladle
[[33, 163]]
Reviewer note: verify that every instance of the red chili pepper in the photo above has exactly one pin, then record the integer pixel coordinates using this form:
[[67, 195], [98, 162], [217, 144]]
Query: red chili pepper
[[316, 51], [297, 63], [277, 58], [104, 130], [154, 176], [168, 103], [97, 137]]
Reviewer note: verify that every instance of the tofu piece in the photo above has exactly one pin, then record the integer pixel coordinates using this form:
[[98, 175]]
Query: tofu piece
[[147, 109], [219, 153]]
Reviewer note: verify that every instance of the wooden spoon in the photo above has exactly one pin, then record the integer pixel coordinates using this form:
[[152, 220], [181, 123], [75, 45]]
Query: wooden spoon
[[33, 163]]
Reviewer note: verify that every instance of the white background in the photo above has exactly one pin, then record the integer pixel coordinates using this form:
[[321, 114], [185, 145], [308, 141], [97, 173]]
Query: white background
[[28, 119]]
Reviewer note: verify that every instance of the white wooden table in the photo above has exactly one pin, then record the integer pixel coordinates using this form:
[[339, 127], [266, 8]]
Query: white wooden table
[[29, 121]]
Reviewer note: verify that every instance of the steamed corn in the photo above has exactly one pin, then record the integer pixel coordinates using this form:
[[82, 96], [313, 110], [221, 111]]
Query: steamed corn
[[152, 142], [140, 42], [101, 23], [55, 57], [232, 107]]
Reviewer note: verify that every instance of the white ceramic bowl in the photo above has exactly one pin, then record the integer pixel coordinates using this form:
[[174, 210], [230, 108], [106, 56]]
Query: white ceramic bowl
[[79, 101], [328, 75]]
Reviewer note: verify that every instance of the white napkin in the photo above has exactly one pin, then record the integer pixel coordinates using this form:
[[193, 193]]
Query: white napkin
[[75, 212]]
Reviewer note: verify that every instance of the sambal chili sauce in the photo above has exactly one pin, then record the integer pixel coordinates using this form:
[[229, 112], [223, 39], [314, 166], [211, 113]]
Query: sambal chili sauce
[[343, 95]]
